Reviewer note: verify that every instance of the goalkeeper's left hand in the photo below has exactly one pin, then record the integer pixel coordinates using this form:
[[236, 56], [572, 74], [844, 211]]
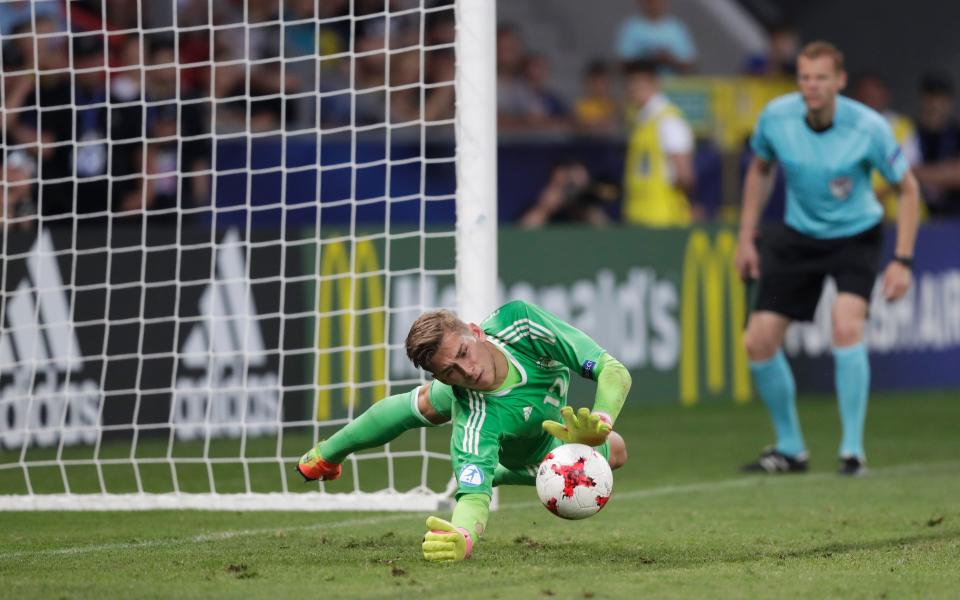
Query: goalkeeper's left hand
[[580, 428], [446, 543]]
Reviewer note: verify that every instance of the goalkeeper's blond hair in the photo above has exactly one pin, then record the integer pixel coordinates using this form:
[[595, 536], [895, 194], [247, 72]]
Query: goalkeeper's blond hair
[[426, 335]]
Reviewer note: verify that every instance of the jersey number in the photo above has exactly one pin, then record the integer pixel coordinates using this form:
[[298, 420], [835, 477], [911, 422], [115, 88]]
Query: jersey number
[[559, 388]]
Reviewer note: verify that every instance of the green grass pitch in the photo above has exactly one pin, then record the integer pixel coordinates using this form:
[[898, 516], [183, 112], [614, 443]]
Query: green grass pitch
[[681, 524]]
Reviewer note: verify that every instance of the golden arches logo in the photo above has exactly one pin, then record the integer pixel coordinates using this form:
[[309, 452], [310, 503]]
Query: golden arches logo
[[709, 268], [341, 303]]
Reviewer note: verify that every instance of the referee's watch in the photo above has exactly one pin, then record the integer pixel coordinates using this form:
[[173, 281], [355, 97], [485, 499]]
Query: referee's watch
[[906, 261]]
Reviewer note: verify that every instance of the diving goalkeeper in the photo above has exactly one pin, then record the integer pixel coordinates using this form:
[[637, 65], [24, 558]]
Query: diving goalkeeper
[[504, 384]]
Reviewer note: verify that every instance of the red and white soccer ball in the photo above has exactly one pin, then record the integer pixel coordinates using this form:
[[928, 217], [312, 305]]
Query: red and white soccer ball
[[574, 481]]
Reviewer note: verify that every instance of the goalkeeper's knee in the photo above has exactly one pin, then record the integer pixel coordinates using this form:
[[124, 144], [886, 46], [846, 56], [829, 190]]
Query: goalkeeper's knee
[[618, 450]]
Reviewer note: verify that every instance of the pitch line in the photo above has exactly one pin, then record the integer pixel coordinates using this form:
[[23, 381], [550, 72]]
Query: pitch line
[[666, 490]]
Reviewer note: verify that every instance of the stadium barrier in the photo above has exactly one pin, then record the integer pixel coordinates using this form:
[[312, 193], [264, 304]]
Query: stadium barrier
[[665, 302]]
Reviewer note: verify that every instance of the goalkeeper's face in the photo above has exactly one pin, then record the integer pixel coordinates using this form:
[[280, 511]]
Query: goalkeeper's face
[[466, 359]]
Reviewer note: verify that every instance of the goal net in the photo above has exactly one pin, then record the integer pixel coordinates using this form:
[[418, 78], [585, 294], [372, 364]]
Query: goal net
[[219, 218]]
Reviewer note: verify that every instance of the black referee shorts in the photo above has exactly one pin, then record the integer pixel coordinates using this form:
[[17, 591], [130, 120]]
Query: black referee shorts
[[793, 267]]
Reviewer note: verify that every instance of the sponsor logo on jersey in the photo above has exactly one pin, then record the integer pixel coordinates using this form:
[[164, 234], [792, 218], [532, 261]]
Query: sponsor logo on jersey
[[586, 369], [526, 412], [841, 187], [471, 475]]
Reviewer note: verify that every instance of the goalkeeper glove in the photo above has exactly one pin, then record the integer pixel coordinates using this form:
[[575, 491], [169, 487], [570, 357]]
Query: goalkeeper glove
[[444, 542], [580, 428]]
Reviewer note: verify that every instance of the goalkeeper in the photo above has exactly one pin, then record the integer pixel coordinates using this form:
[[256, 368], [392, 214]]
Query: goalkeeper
[[504, 384]]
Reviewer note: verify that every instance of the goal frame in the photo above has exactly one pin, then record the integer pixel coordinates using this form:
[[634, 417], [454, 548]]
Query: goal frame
[[476, 282]]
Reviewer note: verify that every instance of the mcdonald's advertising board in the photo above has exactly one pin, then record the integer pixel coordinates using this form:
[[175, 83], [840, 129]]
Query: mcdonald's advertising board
[[189, 332], [667, 303]]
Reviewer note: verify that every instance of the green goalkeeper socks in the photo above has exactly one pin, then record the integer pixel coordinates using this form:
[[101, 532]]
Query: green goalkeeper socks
[[471, 513], [379, 424]]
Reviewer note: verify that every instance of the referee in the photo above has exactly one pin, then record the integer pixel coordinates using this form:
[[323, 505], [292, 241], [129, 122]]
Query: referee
[[828, 146]]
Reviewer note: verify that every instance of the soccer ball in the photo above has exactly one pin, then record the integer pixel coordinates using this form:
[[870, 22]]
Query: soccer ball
[[574, 481]]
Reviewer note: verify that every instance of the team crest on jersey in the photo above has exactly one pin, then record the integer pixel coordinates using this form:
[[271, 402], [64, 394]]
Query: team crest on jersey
[[526, 412], [841, 187], [471, 475], [545, 362]]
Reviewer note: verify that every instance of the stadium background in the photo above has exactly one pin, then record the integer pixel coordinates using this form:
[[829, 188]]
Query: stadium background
[[167, 318], [665, 301]]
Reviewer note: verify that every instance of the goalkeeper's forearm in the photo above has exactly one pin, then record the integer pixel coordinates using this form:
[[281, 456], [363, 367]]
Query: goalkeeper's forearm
[[471, 513], [455, 539], [613, 385]]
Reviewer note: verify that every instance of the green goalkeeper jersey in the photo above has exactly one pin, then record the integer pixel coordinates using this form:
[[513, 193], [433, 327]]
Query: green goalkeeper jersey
[[505, 425]]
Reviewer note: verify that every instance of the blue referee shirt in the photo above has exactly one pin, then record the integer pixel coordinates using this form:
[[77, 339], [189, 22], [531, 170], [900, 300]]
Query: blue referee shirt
[[829, 194]]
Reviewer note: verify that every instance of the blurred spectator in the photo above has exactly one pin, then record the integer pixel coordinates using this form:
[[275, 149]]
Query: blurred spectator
[[126, 72], [334, 86], [597, 110], [571, 196], [405, 87], [248, 78], [536, 71], [300, 53], [176, 155], [105, 15], [105, 137], [515, 100], [441, 28], [83, 164], [872, 91], [334, 27], [44, 88], [657, 36], [230, 87], [519, 105], [18, 207], [298, 36], [780, 58], [17, 13], [369, 80], [939, 136], [659, 175], [441, 67]]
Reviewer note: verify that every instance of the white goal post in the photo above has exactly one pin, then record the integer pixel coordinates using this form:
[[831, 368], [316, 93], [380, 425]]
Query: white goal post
[[218, 219]]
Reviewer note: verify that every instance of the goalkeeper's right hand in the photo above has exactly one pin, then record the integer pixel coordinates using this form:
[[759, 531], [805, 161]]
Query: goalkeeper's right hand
[[446, 543], [583, 427]]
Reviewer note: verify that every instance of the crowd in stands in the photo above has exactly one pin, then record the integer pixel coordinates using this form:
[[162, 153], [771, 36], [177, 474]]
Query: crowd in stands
[[655, 41], [110, 106]]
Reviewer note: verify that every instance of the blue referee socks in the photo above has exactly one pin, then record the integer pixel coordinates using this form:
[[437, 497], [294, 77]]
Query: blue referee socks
[[774, 381], [853, 386]]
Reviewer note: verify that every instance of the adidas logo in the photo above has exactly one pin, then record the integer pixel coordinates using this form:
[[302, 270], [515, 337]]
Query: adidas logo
[[526, 412], [224, 347], [43, 396]]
